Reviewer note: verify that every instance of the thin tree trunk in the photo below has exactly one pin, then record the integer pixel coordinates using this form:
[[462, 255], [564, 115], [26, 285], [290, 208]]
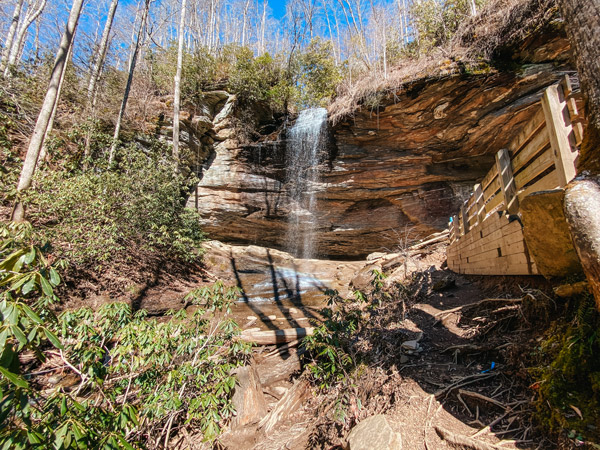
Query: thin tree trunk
[[102, 50], [140, 34], [19, 42], [473, 8], [244, 22], [582, 196], [12, 30], [44, 151], [37, 139], [263, 27], [177, 99]]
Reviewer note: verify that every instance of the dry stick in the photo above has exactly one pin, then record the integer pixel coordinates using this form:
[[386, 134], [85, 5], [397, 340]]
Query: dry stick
[[464, 382], [460, 399], [481, 302], [464, 441], [491, 424], [482, 397]]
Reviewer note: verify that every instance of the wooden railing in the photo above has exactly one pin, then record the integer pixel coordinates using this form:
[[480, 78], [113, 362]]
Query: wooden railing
[[541, 157]]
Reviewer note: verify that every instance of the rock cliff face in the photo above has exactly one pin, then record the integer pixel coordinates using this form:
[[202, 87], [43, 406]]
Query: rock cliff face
[[390, 174]]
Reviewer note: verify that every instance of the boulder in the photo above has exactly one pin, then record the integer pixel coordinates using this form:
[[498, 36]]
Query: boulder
[[374, 433]]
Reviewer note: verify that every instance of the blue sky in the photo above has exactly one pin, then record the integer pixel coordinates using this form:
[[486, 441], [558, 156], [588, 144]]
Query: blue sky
[[278, 7]]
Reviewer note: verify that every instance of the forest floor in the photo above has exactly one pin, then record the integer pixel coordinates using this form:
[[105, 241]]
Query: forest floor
[[466, 386]]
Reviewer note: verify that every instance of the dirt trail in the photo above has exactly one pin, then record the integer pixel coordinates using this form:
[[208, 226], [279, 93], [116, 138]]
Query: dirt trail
[[465, 386]]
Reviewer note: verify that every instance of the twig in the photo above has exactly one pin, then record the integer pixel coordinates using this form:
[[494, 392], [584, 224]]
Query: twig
[[464, 382], [482, 397], [464, 441], [473, 305]]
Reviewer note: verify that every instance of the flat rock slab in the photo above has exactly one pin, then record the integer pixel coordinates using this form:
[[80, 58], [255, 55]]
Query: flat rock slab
[[374, 433]]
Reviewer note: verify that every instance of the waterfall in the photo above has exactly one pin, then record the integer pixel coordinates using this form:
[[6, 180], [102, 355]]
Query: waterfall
[[306, 142]]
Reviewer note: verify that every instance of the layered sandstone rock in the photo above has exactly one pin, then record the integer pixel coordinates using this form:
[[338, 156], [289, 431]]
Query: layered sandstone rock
[[391, 173]]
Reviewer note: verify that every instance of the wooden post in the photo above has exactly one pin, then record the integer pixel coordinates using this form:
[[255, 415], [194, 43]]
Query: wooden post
[[559, 129], [507, 181], [464, 219], [454, 232], [479, 204], [574, 116]]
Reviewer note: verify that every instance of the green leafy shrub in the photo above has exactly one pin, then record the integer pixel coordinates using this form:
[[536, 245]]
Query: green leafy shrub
[[437, 21], [92, 217], [137, 379], [27, 418], [329, 345], [319, 74]]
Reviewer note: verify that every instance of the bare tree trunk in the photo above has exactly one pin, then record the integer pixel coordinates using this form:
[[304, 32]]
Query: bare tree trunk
[[101, 55], [177, 99], [473, 8], [115, 142], [244, 22], [582, 196], [44, 151], [263, 26], [8, 42], [19, 42], [37, 139]]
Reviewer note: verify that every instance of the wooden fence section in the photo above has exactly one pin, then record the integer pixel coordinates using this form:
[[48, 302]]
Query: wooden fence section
[[542, 157]]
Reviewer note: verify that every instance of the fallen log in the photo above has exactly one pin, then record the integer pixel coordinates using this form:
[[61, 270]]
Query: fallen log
[[271, 337], [289, 403], [439, 238]]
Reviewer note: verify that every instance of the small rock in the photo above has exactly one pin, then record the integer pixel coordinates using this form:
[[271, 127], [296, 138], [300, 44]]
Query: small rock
[[272, 317], [445, 283], [404, 359], [374, 433], [293, 311], [251, 318], [410, 345]]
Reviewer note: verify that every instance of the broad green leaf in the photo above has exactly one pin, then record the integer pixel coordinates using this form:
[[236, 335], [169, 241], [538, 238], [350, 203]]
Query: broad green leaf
[[125, 444], [31, 314], [29, 286], [52, 338], [14, 378], [46, 286], [30, 256], [54, 277], [19, 335], [3, 336]]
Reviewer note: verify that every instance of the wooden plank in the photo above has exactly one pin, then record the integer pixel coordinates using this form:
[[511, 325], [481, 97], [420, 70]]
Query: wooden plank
[[507, 181], [541, 163], [547, 183], [489, 177], [271, 337], [532, 127], [576, 120], [559, 130], [491, 188], [566, 86], [531, 150], [495, 202]]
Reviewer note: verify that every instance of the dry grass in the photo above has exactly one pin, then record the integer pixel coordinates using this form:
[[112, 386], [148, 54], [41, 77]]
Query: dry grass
[[501, 23]]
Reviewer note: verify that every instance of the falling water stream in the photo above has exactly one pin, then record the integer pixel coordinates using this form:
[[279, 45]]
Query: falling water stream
[[306, 142], [272, 286]]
